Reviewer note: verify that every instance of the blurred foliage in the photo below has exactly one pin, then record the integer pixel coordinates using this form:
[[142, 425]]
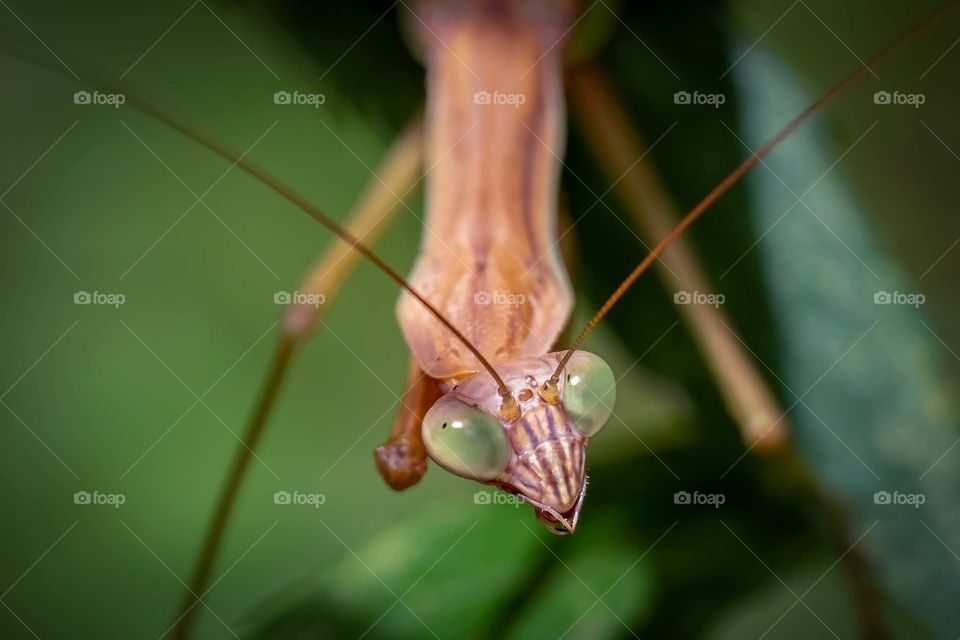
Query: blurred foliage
[[113, 405], [889, 405]]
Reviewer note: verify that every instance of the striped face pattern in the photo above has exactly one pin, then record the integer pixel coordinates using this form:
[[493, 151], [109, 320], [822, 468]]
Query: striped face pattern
[[539, 457], [549, 457]]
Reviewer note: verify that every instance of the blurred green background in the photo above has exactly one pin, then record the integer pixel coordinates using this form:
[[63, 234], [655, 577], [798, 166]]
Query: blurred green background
[[147, 399]]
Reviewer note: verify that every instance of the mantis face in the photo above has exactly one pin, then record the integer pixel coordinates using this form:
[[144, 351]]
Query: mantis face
[[539, 457]]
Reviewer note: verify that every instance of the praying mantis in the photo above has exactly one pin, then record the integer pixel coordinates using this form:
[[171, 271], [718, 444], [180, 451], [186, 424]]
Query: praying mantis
[[495, 86], [483, 369]]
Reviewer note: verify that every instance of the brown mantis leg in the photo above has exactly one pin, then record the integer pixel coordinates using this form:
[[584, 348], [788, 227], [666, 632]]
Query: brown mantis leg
[[617, 145], [619, 148], [402, 460], [397, 174]]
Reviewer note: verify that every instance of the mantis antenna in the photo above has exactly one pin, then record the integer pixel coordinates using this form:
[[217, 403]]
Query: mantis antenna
[[550, 386], [509, 407]]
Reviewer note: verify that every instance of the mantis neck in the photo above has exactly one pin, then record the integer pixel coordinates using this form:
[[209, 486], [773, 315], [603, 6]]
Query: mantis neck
[[489, 258]]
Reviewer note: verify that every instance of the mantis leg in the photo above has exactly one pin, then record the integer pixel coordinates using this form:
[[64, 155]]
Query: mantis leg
[[617, 146], [402, 460], [397, 174]]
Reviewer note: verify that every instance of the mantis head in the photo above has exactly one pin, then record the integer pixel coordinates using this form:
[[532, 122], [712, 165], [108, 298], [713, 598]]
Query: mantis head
[[541, 455]]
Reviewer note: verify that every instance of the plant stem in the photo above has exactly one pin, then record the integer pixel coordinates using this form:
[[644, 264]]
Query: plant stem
[[397, 174]]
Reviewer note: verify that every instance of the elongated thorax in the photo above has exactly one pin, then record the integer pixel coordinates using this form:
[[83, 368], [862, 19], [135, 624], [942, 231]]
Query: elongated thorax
[[489, 257]]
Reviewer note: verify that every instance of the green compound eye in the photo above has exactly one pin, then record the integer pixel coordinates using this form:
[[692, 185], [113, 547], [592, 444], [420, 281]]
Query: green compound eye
[[589, 392], [465, 440]]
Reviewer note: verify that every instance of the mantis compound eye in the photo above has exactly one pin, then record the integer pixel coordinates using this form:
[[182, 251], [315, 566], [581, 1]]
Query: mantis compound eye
[[465, 440], [589, 392]]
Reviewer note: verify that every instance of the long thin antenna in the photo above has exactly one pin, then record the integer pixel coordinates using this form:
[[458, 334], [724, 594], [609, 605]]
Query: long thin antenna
[[727, 183], [167, 117]]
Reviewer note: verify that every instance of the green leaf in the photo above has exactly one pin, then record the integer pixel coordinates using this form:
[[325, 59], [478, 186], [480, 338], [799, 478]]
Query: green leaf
[[441, 564], [600, 591], [875, 413]]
